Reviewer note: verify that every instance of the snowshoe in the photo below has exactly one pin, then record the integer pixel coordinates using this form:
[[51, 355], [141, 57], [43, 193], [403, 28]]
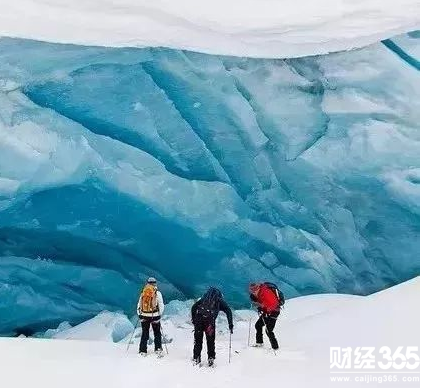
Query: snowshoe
[[196, 361], [211, 362], [143, 354], [159, 353]]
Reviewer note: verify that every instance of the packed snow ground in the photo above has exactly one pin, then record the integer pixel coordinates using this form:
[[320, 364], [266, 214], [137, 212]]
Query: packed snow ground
[[308, 327], [254, 28]]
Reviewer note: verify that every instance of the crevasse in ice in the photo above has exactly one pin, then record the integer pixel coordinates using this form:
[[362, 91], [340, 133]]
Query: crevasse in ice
[[116, 164]]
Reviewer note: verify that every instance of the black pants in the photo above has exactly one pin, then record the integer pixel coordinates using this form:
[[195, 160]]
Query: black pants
[[156, 327], [207, 327], [268, 320]]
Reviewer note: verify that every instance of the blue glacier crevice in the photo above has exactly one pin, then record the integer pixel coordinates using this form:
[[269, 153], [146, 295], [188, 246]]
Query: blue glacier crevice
[[116, 164], [138, 125], [402, 54], [406, 47]]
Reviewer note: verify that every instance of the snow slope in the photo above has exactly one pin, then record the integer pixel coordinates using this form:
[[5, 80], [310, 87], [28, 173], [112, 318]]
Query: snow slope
[[310, 325], [255, 28]]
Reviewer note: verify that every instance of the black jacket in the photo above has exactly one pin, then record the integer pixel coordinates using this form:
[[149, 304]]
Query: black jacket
[[223, 306]]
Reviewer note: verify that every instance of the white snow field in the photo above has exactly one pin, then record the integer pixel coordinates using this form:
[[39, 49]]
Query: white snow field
[[254, 28], [307, 329]]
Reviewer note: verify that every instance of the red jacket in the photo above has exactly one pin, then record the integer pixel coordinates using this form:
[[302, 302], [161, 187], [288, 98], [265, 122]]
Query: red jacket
[[266, 299]]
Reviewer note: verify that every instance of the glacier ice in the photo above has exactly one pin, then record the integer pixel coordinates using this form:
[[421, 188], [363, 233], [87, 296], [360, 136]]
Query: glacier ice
[[409, 43], [106, 326], [120, 163]]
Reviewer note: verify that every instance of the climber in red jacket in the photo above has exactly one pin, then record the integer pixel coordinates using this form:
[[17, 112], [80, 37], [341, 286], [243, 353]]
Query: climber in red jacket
[[269, 300]]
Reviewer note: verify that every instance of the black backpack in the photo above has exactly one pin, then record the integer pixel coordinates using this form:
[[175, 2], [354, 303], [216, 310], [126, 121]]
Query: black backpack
[[209, 305], [278, 293]]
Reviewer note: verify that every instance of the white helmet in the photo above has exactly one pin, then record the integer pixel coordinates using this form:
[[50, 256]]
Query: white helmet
[[151, 280]]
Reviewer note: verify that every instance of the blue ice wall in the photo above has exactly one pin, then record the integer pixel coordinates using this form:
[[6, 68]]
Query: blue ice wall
[[116, 164]]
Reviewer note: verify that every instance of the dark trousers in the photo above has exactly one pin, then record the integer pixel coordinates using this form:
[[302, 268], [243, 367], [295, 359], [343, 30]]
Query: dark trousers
[[156, 327], [201, 327], [268, 320]]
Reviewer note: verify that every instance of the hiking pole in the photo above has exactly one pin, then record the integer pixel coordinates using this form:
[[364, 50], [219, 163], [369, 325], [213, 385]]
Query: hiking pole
[[249, 330], [132, 335], [163, 340], [230, 346]]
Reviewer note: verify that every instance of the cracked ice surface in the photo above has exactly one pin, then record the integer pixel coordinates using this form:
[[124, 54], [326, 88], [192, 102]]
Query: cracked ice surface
[[409, 43], [120, 163]]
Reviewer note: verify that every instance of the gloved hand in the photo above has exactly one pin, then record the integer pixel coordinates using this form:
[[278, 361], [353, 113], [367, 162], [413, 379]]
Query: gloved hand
[[231, 328]]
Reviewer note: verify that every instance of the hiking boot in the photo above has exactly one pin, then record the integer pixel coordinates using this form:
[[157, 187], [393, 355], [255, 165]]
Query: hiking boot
[[197, 361], [210, 361], [159, 353], [143, 354]]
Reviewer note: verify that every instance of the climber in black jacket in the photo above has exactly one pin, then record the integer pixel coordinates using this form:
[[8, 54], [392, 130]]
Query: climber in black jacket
[[204, 314]]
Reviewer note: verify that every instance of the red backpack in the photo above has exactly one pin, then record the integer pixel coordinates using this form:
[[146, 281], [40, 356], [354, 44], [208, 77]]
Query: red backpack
[[268, 299]]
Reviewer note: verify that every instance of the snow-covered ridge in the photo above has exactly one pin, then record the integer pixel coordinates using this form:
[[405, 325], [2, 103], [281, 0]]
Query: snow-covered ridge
[[254, 28]]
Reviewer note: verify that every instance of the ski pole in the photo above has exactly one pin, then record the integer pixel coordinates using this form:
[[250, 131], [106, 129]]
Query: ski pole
[[132, 335], [230, 346], [163, 340]]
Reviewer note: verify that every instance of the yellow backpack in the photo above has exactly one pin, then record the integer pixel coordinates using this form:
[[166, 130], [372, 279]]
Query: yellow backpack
[[148, 298]]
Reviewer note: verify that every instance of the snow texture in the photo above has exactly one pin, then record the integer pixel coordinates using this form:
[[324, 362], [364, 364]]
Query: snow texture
[[306, 329], [118, 164], [252, 28]]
